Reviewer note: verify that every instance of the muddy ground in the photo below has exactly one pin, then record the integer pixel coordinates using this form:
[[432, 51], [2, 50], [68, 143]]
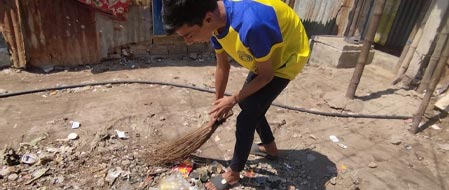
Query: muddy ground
[[371, 153]]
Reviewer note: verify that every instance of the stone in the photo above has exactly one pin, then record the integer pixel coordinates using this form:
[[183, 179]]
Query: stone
[[126, 162], [408, 147], [4, 172], [444, 146], [372, 165], [45, 158], [3, 91], [333, 181], [72, 136], [395, 139], [335, 100], [434, 126], [193, 56], [13, 177], [47, 68], [59, 180], [113, 174], [312, 137], [215, 167]]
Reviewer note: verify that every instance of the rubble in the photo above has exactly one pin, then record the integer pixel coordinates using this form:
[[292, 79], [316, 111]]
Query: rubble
[[3, 91], [372, 165], [4, 172], [105, 161], [13, 177]]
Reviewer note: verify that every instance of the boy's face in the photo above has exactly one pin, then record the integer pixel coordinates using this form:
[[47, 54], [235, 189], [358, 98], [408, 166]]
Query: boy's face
[[195, 33]]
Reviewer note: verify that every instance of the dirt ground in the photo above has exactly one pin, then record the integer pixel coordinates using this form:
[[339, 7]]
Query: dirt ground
[[371, 153]]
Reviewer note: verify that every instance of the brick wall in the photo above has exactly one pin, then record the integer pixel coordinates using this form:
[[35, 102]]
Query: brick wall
[[165, 46]]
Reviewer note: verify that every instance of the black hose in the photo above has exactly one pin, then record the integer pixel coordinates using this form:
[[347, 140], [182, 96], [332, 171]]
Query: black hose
[[204, 90]]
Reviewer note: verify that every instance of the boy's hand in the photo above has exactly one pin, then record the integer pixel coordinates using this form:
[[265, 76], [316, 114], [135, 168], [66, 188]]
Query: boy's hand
[[222, 106]]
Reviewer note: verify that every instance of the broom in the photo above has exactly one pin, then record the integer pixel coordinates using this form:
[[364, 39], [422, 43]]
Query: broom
[[183, 147]]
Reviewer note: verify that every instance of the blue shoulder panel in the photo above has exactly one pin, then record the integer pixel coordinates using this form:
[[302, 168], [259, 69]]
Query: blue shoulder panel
[[257, 26]]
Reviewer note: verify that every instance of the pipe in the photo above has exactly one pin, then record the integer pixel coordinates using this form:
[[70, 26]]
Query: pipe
[[204, 90]]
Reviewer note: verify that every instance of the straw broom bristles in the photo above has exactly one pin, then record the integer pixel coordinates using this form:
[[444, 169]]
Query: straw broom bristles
[[182, 148]]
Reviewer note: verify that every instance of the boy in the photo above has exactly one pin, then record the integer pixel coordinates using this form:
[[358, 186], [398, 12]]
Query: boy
[[264, 36]]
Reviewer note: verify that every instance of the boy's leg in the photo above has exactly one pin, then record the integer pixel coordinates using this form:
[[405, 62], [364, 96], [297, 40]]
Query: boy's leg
[[251, 117], [264, 131]]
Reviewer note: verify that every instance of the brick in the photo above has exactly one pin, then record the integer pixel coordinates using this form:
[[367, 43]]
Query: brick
[[196, 48], [177, 49], [166, 40], [158, 50], [139, 49]]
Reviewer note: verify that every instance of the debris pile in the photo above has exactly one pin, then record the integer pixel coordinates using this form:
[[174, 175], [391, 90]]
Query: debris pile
[[112, 162]]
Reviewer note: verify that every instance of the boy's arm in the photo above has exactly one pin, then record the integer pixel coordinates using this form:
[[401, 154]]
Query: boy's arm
[[221, 75], [265, 74]]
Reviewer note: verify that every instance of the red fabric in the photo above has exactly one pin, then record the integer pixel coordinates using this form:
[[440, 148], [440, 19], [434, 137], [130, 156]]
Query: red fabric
[[114, 7]]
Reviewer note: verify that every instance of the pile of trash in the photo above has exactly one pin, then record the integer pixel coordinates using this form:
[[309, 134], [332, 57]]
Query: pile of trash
[[112, 159], [60, 165]]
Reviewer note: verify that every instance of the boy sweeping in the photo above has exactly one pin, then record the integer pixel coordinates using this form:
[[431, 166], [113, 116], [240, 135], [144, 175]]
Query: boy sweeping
[[264, 36]]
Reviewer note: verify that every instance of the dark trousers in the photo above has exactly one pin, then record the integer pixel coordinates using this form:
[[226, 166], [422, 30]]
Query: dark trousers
[[252, 118]]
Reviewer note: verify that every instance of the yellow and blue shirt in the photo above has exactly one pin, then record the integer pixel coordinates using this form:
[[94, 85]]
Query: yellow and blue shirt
[[257, 30]]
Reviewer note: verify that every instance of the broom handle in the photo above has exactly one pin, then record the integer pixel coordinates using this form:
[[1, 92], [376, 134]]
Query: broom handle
[[214, 123]]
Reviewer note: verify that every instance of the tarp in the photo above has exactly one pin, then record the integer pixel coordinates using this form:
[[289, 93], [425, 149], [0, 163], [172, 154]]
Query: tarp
[[114, 7]]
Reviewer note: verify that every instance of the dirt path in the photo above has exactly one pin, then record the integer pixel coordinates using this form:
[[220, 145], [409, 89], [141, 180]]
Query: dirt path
[[154, 113]]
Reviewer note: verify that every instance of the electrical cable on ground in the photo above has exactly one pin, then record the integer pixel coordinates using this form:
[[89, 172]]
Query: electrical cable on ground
[[204, 90]]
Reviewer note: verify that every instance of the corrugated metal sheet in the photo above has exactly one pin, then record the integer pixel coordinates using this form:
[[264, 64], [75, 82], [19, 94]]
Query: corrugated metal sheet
[[396, 23], [59, 33], [407, 15], [113, 34], [324, 17]]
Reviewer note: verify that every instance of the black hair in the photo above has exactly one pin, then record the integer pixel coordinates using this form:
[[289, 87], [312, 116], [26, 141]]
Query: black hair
[[176, 13]]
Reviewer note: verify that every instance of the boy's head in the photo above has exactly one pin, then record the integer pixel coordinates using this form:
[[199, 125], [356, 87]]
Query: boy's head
[[186, 18]]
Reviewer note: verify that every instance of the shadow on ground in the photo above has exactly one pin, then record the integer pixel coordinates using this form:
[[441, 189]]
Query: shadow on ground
[[301, 169], [378, 94]]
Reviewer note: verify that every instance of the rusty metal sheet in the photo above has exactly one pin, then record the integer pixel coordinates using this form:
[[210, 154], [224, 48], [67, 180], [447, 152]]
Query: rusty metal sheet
[[62, 32], [113, 34], [59, 32]]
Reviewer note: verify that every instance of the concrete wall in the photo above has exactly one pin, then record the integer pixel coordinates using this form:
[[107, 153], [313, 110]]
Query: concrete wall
[[336, 52]]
